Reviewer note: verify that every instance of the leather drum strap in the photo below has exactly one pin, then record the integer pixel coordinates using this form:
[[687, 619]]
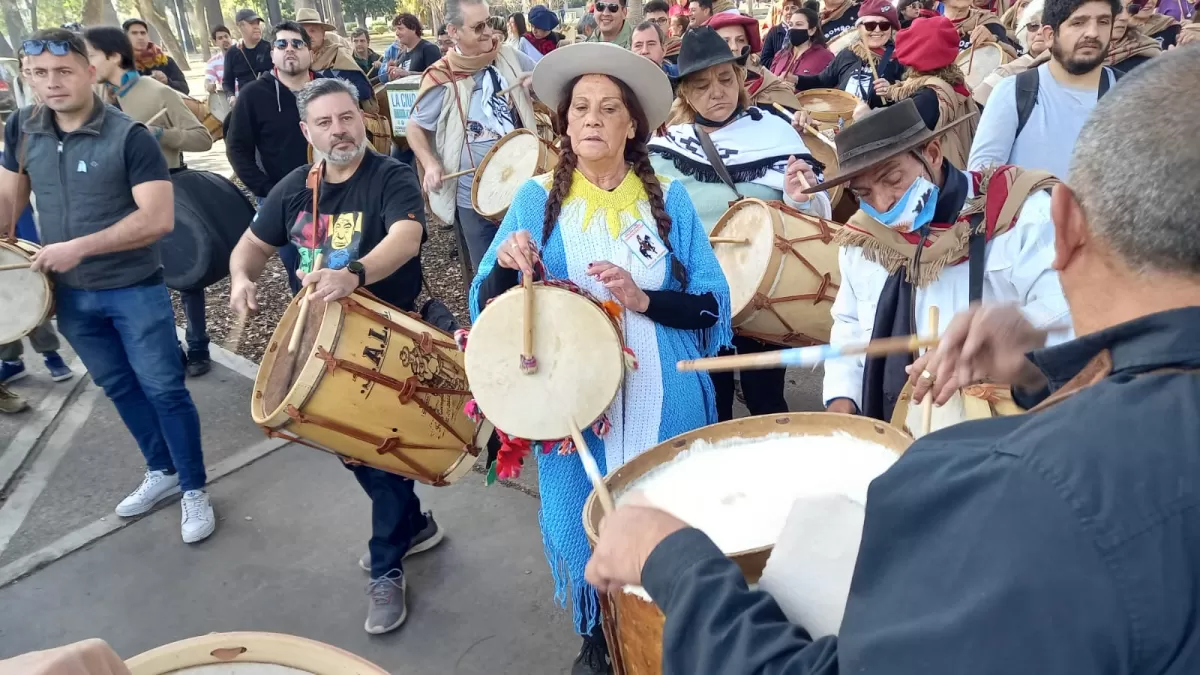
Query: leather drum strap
[[714, 158]]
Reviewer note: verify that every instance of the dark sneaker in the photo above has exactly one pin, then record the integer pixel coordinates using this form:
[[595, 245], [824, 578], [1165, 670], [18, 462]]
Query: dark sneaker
[[198, 365], [11, 371], [386, 609], [426, 539], [593, 656], [10, 402], [59, 372]]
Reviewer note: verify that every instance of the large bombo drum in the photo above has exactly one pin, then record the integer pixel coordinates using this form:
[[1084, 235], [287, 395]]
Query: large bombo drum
[[514, 159], [250, 653], [26, 297], [785, 457], [373, 384], [782, 269]]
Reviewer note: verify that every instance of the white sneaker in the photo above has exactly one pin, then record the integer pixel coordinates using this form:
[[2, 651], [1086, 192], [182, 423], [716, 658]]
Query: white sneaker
[[198, 520], [155, 487]]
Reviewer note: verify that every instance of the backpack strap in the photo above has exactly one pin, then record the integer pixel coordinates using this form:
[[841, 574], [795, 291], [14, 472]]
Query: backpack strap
[[1027, 91], [1110, 77]]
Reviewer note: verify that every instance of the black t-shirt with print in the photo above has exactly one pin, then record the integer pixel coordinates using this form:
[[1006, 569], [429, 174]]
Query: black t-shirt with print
[[422, 56], [354, 216]]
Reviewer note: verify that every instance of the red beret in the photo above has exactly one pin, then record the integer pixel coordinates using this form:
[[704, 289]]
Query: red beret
[[749, 23], [884, 8], [928, 44]]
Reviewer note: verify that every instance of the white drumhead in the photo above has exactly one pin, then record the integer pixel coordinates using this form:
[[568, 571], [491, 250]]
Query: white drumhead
[[579, 359], [987, 58], [24, 296], [514, 159], [745, 265]]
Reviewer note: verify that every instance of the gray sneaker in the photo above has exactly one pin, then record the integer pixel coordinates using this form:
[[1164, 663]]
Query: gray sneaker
[[426, 539], [387, 609]]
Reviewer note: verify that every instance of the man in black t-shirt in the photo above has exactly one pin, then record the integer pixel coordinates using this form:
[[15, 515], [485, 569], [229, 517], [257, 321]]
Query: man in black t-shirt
[[369, 230]]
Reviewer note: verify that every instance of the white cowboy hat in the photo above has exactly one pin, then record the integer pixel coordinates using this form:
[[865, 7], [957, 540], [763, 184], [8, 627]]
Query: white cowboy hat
[[648, 82], [308, 15]]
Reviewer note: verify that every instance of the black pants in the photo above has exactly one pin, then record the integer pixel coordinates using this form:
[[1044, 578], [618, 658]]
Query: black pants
[[395, 517], [763, 388]]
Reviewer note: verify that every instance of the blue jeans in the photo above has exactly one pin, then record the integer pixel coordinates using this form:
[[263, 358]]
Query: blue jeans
[[126, 338], [290, 257], [395, 517], [197, 325]]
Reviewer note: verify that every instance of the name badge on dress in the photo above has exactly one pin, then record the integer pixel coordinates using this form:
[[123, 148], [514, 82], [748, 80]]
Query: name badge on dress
[[645, 243]]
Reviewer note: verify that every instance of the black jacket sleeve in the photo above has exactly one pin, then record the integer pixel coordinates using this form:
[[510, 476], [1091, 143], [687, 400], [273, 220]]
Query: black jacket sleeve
[[771, 45], [676, 309], [926, 101], [240, 147], [175, 77], [499, 280]]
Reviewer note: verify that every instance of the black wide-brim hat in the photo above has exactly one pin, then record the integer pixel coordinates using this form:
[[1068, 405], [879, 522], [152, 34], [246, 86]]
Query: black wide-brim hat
[[703, 48], [885, 133]]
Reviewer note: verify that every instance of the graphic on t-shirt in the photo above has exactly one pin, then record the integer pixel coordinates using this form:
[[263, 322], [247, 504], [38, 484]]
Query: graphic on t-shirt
[[338, 235]]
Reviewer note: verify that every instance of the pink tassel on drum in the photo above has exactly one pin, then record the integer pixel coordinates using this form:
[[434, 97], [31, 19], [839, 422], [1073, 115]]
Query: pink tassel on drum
[[631, 361], [471, 409], [460, 339]]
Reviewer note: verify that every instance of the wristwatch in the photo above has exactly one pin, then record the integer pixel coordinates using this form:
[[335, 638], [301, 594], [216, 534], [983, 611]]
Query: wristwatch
[[357, 268]]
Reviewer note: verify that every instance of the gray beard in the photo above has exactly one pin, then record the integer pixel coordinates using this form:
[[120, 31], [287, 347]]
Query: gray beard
[[340, 157]]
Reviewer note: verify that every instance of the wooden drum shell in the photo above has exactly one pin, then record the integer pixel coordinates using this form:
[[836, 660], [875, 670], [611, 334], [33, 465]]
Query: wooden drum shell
[[505, 167], [21, 311], [633, 626], [247, 648]]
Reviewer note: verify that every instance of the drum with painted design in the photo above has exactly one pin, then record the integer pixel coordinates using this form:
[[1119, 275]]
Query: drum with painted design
[[580, 362], [373, 384], [782, 268], [979, 61], [26, 297], [514, 159], [632, 623], [250, 653]]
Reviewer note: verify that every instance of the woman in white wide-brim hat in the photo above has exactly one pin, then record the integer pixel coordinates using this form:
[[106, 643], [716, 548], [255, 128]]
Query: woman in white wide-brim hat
[[675, 304]]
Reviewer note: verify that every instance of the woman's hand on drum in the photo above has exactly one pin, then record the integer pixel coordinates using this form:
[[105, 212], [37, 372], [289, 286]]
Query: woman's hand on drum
[[61, 257], [627, 538], [798, 178], [620, 283], [981, 36], [243, 296], [518, 253], [980, 344], [329, 285]]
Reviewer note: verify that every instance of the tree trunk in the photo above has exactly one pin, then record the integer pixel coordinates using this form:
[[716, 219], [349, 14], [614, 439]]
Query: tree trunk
[[201, 25], [360, 18], [159, 22], [109, 14], [6, 49], [310, 4], [185, 25], [635, 12], [14, 23], [274, 12], [93, 12], [339, 21], [33, 17]]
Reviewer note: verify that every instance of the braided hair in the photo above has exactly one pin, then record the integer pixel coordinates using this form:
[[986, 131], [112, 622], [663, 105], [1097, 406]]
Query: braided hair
[[636, 154]]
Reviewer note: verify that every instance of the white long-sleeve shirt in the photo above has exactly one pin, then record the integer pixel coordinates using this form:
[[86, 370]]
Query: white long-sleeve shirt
[[1016, 271]]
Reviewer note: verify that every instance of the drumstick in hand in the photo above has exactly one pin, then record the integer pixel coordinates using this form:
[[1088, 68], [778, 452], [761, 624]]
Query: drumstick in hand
[[529, 363], [15, 266], [927, 404], [234, 339], [970, 59], [456, 174], [592, 470], [302, 317], [157, 115]]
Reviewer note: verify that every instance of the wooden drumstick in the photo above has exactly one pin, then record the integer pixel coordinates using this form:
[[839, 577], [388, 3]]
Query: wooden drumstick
[[456, 174], [234, 339], [16, 266], [592, 470], [927, 404], [806, 356], [729, 240], [520, 83], [157, 115], [970, 59], [529, 363], [302, 317]]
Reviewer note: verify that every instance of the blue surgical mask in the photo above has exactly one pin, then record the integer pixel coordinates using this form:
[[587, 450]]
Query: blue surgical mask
[[912, 211]]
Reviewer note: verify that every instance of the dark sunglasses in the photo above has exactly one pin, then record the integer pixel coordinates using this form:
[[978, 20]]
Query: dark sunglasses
[[611, 7], [55, 47], [296, 43], [876, 26]]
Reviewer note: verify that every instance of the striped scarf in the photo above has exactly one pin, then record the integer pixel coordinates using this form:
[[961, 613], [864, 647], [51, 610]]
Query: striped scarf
[[149, 58]]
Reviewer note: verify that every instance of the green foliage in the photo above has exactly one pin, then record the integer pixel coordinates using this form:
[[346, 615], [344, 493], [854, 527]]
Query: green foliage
[[371, 8], [59, 12]]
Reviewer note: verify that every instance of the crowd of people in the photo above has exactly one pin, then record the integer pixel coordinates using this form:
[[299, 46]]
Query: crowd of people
[[1047, 211]]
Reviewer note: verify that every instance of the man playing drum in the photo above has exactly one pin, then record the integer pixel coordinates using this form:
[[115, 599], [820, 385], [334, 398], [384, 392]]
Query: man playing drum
[[1066, 540], [369, 233], [927, 234]]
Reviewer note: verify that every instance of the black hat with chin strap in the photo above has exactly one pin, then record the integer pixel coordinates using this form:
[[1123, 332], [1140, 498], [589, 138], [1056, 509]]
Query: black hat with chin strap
[[703, 48]]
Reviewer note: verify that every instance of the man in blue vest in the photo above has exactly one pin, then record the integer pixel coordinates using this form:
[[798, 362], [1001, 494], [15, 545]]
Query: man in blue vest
[[104, 200]]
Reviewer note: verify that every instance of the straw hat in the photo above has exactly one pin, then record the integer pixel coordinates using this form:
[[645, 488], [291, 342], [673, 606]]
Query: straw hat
[[307, 16], [648, 82]]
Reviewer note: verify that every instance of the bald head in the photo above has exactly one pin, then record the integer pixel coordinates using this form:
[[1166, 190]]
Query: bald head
[[1136, 166]]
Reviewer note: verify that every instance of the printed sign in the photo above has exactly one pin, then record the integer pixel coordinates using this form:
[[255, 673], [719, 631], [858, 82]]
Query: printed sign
[[401, 103]]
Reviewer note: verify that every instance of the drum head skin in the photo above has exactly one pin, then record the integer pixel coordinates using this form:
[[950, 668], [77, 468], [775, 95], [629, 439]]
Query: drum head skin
[[746, 265], [25, 296], [510, 163], [579, 359], [986, 59]]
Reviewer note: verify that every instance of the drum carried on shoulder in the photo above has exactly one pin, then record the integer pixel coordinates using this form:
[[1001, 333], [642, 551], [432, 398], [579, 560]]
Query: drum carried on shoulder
[[26, 296], [979, 61], [373, 384], [250, 653], [632, 623], [782, 269]]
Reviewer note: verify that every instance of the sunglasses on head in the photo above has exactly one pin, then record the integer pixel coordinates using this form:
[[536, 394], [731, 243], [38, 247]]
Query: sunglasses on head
[[876, 26], [55, 47], [611, 7], [296, 43]]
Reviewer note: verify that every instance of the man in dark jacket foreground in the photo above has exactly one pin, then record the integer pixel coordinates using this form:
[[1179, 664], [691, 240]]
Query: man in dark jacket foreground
[[1064, 540]]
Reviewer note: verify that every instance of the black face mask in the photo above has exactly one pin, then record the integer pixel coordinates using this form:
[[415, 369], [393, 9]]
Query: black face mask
[[704, 121], [798, 36]]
